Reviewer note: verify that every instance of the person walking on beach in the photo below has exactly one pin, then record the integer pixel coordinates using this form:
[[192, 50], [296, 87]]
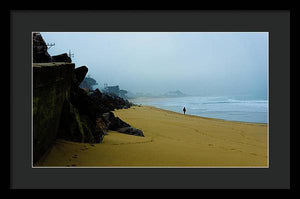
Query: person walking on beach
[[184, 110]]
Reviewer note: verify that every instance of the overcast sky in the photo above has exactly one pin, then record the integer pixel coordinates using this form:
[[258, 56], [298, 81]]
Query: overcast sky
[[206, 64]]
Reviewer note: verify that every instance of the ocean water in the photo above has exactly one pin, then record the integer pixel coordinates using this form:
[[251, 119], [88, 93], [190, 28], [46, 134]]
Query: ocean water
[[227, 108]]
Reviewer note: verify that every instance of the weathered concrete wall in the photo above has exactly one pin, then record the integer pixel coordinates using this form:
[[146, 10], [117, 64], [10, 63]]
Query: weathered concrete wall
[[51, 86]]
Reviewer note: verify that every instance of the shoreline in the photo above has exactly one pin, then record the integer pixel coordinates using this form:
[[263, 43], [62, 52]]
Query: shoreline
[[203, 117], [172, 140], [213, 114]]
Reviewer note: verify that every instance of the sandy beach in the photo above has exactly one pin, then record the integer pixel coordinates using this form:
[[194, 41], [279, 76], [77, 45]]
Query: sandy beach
[[171, 140]]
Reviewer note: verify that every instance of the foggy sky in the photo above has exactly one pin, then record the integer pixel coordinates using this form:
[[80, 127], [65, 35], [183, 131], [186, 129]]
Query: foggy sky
[[206, 64]]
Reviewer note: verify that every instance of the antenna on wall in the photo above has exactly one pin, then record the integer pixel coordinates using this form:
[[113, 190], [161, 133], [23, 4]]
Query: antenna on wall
[[49, 45], [71, 54]]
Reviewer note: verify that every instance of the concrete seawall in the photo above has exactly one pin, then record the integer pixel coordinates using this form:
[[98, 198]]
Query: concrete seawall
[[51, 86]]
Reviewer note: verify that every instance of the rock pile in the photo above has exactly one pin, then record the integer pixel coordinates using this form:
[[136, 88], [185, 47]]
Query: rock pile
[[79, 114], [85, 116], [108, 103], [116, 124]]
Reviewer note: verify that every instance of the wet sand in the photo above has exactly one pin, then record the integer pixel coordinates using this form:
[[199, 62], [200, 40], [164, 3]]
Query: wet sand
[[171, 140]]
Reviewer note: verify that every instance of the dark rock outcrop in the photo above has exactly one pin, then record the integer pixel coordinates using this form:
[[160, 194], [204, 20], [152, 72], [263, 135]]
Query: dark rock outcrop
[[107, 102], [71, 127], [102, 125], [79, 123], [116, 124], [61, 109], [39, 49], [84, 103], [131, 131], [80, 73], [61, 58], [112, 122], [51, 86]]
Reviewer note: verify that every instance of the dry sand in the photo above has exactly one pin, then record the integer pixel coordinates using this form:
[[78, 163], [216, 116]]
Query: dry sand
[[171, 140]]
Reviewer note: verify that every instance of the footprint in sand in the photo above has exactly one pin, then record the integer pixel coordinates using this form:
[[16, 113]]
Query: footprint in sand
[[253, 154], [85, 148], [210, 145]]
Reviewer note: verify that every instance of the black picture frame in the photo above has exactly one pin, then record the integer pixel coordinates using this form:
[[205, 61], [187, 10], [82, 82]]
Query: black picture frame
[[277, 23]]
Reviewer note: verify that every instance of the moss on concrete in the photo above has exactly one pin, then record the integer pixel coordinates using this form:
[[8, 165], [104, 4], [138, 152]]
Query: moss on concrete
[[53, 113], [51, 85], [75, 127]]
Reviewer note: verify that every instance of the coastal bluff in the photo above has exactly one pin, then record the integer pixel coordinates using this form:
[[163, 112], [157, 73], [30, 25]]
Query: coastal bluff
[[64, 110], [51, 86]]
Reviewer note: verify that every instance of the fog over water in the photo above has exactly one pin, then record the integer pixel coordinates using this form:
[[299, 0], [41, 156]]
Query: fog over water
[[205, 64]]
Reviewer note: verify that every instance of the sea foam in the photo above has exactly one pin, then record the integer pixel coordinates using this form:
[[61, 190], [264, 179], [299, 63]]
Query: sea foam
[[227, 108]]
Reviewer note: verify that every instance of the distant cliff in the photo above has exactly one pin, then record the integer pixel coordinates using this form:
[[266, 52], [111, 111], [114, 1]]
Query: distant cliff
[[175, 94]]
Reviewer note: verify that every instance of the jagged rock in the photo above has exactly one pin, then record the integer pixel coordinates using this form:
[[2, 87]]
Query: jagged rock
[[101, 124], [131, 131], [84, 103], [80, 73], [70, 125], [62, 109], [107, 102], [116, 124], [82, 115], [86, 90], [40, 53], [78, 127], [92, 129], [61, 58], [97, 93], [112, 122]]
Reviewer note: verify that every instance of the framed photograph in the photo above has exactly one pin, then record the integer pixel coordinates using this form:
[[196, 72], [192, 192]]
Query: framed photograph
[[154, 95]]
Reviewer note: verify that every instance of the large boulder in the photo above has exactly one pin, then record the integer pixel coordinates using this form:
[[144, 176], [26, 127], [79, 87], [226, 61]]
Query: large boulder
[[70, 124], [80, 73], [116, 124], [112, 122], [97, 94], [84, 103], [79, 120], [102, 125], [39, 49], [131, 131], [107, 103], [81, 99], [61, 58], [91, 128], [103, 103], [78, 127]]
